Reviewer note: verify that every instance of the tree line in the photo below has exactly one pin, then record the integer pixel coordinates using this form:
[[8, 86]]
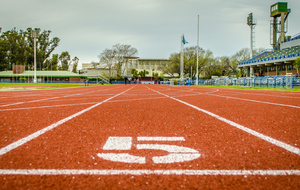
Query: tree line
[[17, 48], [208, 65]]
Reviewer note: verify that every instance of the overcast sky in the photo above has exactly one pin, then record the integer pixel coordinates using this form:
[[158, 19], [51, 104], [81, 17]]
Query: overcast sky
[[154, 27]]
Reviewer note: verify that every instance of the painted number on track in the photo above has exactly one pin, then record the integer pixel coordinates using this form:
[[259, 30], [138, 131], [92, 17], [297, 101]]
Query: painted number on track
[[176, 153]]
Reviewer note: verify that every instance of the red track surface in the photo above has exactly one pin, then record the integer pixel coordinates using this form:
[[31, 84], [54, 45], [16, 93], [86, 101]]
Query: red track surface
[[65, 156]]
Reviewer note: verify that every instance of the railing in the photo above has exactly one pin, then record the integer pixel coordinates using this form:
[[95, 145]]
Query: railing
[[267, 82]]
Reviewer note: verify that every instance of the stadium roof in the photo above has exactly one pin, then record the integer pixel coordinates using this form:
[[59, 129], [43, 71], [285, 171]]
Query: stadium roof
[[40, 74]]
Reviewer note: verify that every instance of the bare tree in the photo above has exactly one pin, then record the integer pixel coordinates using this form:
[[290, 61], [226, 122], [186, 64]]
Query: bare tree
[[107, 59], [117, 57], [123, 51]]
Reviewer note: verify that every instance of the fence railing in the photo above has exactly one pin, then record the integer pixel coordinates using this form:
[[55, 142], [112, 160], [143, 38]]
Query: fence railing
[[292, 81], [268, 82]]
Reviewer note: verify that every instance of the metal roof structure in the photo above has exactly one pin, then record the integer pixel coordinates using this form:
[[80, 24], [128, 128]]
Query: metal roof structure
[[40, 74]]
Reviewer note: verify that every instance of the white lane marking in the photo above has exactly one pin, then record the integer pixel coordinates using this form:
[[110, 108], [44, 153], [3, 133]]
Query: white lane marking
[[118, 143], [28, 102], [17, 103], [257, 101], [24, 140], [160, 139], [277, 104], [176, 153], [256, 94], [150, 172], [167, 147], [254, 133], [62, 105], [122, 157]]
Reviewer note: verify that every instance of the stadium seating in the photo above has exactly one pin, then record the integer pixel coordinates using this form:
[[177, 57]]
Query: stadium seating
[[273, 55]]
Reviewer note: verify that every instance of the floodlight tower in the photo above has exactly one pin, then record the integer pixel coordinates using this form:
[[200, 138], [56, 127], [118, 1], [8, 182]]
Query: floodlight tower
[[278, 10], [34, 35], [251, 23]]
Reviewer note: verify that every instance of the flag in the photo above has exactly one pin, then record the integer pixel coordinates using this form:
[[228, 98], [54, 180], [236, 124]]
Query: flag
[[183, 40]]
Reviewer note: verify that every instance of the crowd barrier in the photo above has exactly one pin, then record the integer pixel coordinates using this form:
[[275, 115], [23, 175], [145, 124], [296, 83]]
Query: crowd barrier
[[268, 82]]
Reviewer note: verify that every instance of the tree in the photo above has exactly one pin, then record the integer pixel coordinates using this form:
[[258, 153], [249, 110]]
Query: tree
[[134, 73], [13, 47], [94, 64], [190, 61], [122, 53], [75, 64], [107, 59], [52, 63], [143, 73], [17, 47], [297, 64], [173, 67], [64, 59]]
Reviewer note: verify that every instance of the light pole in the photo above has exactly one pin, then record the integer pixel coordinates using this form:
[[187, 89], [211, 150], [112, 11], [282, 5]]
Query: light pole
[[34, 35], [197, 52]]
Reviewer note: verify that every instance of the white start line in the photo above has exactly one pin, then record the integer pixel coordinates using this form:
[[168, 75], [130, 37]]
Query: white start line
[[176, 153], [106, 172]]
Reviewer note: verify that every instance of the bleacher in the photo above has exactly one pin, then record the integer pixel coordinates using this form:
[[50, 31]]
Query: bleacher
[[266, 55]]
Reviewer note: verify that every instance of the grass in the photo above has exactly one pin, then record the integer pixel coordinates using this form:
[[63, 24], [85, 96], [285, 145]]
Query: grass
[[40, 86], [251, 88]]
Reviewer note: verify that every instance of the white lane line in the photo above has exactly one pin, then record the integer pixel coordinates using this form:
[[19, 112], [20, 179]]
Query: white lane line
[[257, 101], [62, 105], [278, 143], [65, 105], [256, 94], [160, 139], [150, 172], [50, 98], [42, 131], [28, 102]]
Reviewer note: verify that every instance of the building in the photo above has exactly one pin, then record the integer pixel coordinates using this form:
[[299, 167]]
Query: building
[[274, 62], [150, 65], [19, 74], [286, 49]]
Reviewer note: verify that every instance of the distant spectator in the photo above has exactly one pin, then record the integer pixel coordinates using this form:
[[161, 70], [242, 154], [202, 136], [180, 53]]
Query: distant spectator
[[125, 80]]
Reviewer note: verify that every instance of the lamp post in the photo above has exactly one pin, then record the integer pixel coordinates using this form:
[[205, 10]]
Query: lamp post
[[34, 35], [197, 82]]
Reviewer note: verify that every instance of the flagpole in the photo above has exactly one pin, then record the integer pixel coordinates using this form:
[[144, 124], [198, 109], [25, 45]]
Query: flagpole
[[197, 50], [181, 58]]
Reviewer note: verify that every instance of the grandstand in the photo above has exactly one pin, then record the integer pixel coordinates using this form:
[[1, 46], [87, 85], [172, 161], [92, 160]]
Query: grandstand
[[280, 59], [276, 62]]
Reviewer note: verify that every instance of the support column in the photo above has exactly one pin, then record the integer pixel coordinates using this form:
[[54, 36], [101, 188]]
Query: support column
[[274, 31], [248, 72], [282, 28]]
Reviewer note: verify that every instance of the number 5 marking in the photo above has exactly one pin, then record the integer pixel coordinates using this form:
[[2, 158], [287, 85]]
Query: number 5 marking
[[176, 153]]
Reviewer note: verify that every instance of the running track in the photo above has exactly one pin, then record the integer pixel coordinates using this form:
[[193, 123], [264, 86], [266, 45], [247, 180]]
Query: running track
[[215, 138]]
